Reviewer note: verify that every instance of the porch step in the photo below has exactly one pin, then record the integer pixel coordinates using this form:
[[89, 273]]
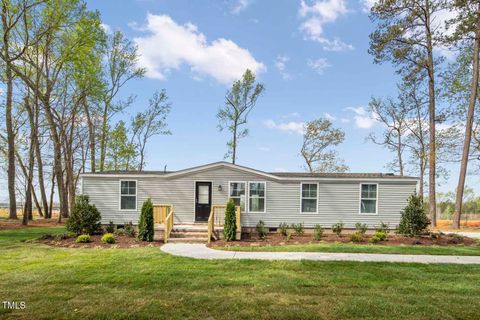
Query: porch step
[[189, 234], [188, 240]]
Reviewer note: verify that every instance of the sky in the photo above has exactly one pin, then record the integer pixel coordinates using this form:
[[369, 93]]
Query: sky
[[311, 56]]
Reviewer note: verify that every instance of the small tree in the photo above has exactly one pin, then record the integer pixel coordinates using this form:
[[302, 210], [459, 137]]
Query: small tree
[[414, 220], [230, 225], [85, 218], [145, 226]]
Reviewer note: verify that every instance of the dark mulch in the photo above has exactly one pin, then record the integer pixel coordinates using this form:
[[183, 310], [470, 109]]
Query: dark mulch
[[275, 239], [121, 241]]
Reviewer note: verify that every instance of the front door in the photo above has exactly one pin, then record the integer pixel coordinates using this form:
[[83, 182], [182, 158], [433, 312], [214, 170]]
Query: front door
[[203, 200]]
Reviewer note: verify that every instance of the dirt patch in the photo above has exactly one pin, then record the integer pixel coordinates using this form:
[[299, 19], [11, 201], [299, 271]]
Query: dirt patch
[[121, 241], [249, 240], [17, 224]]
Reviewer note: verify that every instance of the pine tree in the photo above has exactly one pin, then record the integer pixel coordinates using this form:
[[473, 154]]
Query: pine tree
[[414, 220], [145, 226], [230, 225]]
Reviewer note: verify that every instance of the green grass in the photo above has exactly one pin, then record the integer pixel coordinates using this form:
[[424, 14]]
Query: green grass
[[144, 283], [363, 248]]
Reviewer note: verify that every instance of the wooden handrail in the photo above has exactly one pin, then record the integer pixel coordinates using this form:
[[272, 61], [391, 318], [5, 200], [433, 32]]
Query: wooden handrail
[[168, 225], [238, 217], [160, 212], [219, 219]]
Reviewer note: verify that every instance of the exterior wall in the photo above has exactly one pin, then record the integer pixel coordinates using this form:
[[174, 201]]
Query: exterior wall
[[337, 200]]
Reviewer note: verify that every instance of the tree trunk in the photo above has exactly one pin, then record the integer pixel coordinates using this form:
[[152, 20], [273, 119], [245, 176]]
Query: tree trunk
[[91, 137], [431, 111], [103, 138], [11, 144], [52, 192], [234, 142], [468, 132], [399, 153]]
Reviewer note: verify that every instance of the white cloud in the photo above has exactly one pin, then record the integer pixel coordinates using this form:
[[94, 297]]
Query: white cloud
[[240, 5], [318, 14], [363, 119], [328, 116], [169, 45], [290, 127], [280, 64], [106, 28], [344, 120], [318, 65], [367, 5]]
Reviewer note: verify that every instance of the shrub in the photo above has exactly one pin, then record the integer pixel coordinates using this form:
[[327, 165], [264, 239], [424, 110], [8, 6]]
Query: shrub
[[384, 227], [108, 238], [357, 236], [130, 230], [289, 236], [230, 224], [83, 238], [65, 235], [283, 228], [361, 227], [337, 228], [318, 232], [261, 230], [110, 228], [414, 220], [378, 236], [298, 227], [145, 225], [85, 218]]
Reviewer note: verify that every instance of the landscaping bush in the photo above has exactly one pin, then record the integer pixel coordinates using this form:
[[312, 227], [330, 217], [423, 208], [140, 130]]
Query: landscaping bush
[[85, 218], [361, 227], [378, 236], [318, 232], [130, 230], [283, 228], [414, 220], [110, 228], [83, 238], [289, 236], [357, 236], [230, 224], [65, 235], [261, 230], [108, 238], [384, 227], [145, 225], [337, 228], [298, 227]]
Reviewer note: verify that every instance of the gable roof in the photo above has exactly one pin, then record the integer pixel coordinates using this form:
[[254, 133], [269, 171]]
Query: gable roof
[[270, 175]]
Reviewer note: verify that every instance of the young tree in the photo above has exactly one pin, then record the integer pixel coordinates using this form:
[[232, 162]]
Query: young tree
[[151, 122], [414, 221], [393, 116], [230, 227], [467, 30], [120, 151], [146, 228], [240, 100], [318, 140], [406, 35]]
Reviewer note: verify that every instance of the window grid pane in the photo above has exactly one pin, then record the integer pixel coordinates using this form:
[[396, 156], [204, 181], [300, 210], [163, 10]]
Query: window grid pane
[[256, 201], [368, 201], [309, 197]]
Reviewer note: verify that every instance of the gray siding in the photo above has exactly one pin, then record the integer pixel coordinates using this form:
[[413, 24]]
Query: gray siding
[[338, 200]]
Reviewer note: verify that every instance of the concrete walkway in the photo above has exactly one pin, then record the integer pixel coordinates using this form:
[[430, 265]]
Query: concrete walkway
[[201, 251]]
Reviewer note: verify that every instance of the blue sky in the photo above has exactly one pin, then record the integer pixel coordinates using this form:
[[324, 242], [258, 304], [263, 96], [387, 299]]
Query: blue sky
[[312, 58]]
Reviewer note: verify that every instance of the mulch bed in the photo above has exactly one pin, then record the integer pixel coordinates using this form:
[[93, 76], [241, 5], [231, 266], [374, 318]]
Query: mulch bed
[[17, 224], [252, 240], [121, 241]]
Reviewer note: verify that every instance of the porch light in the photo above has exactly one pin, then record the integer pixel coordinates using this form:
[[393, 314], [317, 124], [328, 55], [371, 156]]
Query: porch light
[[219, 188]]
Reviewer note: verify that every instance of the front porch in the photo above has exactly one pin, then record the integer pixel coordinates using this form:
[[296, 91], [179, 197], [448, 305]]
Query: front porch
[[168, 231]]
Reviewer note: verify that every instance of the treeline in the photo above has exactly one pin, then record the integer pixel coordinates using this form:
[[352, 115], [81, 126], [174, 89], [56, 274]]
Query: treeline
[[62, 76]]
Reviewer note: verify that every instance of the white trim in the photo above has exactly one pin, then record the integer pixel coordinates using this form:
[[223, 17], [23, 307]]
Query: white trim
[[195, 197], [120, 195], [360, 200], [246, 193], [219, 165], [264, 197], [316, 199]]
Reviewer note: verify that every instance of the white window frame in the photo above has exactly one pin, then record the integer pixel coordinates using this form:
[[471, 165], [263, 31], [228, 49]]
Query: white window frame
[[301, 197], [246, 192], [120, 194], [264, 197], [360, 199]]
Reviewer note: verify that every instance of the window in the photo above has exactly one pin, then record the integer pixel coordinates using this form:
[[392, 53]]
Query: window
[[128, 195], [309, 197], [256, 197], [237, 193], [368, 198]]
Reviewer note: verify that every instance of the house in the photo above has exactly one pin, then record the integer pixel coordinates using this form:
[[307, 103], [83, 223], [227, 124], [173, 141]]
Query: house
[[273, 197]]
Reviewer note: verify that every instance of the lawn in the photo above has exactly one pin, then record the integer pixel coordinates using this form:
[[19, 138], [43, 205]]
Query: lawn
[[143, 283], [363, 248]]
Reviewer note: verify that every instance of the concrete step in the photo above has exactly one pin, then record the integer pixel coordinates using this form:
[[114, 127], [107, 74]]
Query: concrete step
[[188, 240]]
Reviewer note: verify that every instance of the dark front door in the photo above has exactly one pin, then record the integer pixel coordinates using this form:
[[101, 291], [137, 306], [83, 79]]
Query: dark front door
[[203, 200]]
